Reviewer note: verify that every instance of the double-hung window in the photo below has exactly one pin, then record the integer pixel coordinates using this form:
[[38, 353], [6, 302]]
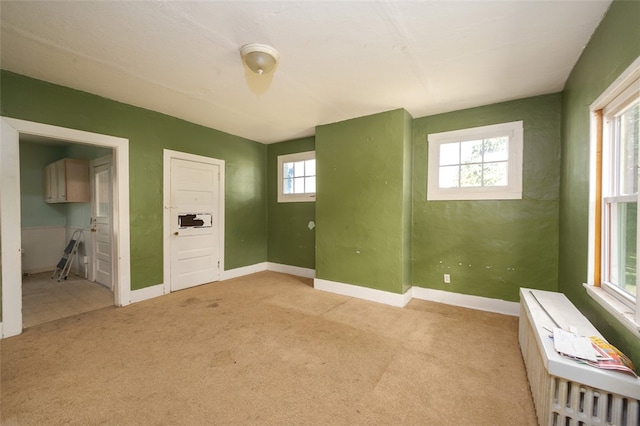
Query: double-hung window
[[616, 130], [297, 177]]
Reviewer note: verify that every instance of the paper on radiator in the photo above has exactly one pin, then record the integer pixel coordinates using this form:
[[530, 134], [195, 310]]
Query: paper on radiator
[[573, 345]]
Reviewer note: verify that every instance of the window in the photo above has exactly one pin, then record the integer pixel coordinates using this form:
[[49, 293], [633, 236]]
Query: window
[[614, 191], [297, 177], [482, 163]]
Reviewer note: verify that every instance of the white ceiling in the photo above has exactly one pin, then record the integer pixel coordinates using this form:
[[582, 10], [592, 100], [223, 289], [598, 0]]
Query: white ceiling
[[339, 59]]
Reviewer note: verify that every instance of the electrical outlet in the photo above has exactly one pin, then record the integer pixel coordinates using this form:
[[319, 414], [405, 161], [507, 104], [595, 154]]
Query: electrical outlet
[[447, 278]]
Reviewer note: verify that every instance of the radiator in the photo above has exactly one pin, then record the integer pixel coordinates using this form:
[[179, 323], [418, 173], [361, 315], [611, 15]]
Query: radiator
[[567, 393]]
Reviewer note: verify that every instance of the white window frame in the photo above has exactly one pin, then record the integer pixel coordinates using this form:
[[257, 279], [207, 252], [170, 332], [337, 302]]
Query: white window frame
[[625, 309], [290, 158], [511, 191]]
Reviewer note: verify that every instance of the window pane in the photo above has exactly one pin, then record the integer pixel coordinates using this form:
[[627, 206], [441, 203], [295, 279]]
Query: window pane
[[310, 184], [298, 185], [287, 186], [623, 261], [471, 175], [103, 198], [298, 167], [471, 152], [310, 168], [449, 154], [627, 125], [287, 170], [449, 177], [496, 149], [495, 174]]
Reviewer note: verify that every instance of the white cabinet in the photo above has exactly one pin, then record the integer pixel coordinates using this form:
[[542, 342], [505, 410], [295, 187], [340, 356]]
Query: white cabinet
[[67, 181]]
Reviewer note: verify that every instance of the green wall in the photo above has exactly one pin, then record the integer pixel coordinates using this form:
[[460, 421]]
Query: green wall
[[612, 48], [148, 133], [361, 197], [492, 248], [290, 241]]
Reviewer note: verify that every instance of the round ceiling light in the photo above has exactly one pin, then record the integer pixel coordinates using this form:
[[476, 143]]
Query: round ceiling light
[[259, 58]]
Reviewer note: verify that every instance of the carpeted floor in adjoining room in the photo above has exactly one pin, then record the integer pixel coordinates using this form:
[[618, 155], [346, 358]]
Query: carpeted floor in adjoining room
[[267, 349]]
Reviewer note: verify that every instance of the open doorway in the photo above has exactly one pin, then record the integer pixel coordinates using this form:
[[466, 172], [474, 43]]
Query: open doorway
[[10, 217], [66, 192]]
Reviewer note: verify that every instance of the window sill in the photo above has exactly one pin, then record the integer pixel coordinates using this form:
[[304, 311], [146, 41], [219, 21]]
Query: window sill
[[299, 199], [616, 308]]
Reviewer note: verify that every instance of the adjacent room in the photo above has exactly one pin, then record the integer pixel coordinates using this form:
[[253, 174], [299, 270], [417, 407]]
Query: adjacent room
[[64, 191], [312, 212]]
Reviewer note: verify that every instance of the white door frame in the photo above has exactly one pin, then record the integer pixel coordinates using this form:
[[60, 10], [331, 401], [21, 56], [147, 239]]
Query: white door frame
[[10, 227], [166, 192]]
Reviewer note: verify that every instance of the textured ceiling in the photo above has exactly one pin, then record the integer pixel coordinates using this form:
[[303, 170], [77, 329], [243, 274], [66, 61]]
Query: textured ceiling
[[339, 59]]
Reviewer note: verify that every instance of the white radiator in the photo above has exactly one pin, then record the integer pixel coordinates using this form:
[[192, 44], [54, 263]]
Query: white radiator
[[566, 393]]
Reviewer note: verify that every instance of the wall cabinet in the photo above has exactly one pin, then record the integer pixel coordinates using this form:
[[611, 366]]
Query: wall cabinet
[[67, 181]]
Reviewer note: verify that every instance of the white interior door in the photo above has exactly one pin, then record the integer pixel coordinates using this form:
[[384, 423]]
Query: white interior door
[[195, 257], [101, 199]]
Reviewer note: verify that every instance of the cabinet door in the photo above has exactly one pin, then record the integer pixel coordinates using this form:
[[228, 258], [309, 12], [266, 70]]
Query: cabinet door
[[60, 194], [50, 183], [67, 180], [77, 181]]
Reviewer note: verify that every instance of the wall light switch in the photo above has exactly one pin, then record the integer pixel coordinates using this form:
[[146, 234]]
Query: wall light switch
[[447, 278]]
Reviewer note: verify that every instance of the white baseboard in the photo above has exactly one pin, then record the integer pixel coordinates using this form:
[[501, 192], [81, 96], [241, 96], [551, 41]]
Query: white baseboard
[[158, 290], [366, 293], [8, 331], [467, 301], [40, 269], [401, 300], [244, 270], [291, 270], [146, 293]]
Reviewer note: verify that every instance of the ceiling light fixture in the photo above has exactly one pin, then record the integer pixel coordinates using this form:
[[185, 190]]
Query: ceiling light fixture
[[260, 58]]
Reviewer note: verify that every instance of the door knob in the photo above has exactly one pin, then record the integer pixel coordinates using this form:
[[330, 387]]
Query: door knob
[[176, 233]]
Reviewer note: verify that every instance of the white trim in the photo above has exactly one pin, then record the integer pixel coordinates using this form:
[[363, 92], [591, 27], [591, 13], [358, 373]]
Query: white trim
[[290, 158], [512, 191], [616, 308], [291, 270], [467, 301], [618, 86], [401, 300], [244, 270], [366, 293], [37, 228], [147, 293], [619, 310], [10, 211], [628, 76], [41, 269], [167, 155], [10, 232], [1, 335]]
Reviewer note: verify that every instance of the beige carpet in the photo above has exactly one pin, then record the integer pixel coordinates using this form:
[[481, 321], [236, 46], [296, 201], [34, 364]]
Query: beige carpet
[[267, 349]]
